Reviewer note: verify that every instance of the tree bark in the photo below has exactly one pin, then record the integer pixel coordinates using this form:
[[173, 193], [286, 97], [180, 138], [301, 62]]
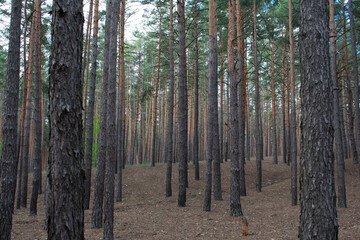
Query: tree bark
[[9, 153], [65, 189], [235, 205], [318, 217], [182, 107]]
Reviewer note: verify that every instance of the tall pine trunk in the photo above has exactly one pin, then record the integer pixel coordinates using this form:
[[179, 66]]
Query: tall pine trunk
[[154, 123], [293, 144], [90, 109], [196, 110], [242, 98], [257, 107], [37, 113], [355, 78], [275, 147], [97, 213], [9, 154], [182, 107], [337, 129], [65, 188], [235, 205], [318, 217]]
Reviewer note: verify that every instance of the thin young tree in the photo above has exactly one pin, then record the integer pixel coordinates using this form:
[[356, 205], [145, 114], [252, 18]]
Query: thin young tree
[[134, 140], [293, 145], [65, 188], [9, 154], [121, 104], [153, 149], [337, 129], [318, 217], [182, 107], [196, 110], [170, 120], [90, 108], [97, 211], [349, 91], [275, 148], [37, 114], [235, 205], [258, 138]]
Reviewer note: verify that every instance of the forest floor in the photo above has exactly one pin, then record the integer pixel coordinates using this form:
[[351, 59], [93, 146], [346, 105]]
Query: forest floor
[[145, 212]]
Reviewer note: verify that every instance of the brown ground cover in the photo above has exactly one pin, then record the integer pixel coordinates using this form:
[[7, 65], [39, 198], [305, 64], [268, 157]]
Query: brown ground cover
[[146, 213]]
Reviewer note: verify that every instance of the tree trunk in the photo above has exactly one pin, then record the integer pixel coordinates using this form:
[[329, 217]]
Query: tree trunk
[[97, 213], [318, 217], [338, 134], [182, 107], [283, 106], [196, 110], [242, 97], [156, 96], [9, 151], [23, 109], [212, 104], [170, 121], [293, 155], [65, 189], [37, 112], [349, 86], [257, 107], [235, 205], [355, 77], [275, 149], [26, 141], [108, 231], [90, 109], [121, 105]]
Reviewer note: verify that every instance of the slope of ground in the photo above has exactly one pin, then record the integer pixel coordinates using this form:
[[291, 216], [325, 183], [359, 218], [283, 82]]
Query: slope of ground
[[146, 213]]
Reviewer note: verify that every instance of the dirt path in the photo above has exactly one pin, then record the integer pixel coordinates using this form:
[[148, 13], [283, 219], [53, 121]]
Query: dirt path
[[146, 213]]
